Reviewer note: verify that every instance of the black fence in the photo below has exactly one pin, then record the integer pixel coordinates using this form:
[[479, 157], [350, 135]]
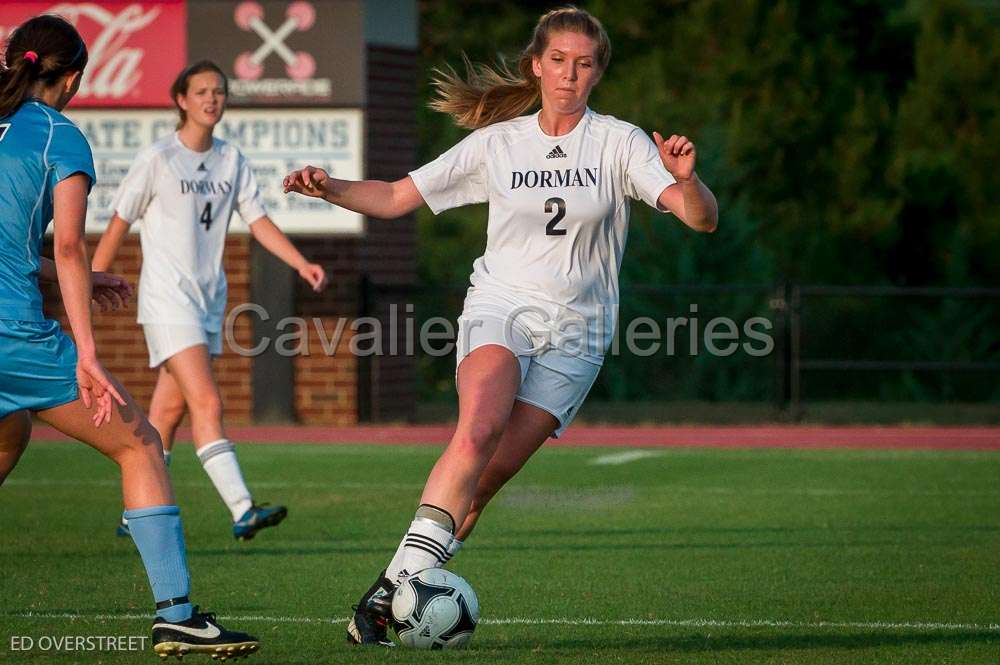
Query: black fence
[[786, 343]]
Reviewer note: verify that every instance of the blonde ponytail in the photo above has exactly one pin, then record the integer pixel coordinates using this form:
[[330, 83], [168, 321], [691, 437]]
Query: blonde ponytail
[[487, 95]]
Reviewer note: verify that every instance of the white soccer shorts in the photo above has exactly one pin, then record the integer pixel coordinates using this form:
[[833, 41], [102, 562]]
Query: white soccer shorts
[[551, 379], [167, 340]]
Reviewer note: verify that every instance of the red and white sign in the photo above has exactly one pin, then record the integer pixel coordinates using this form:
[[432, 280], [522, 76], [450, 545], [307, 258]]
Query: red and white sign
[[136, 48]]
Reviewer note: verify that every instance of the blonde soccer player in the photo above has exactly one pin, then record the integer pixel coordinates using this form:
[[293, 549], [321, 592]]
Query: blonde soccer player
[[538, 317], [182, 191]]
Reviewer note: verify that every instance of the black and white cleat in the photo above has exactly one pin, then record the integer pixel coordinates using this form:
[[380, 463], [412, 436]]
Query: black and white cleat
[[201, 634], [372, 615]]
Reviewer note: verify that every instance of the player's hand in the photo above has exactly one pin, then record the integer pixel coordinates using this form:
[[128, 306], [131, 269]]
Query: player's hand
[[96, 389], [314, 274], [677, 154], [308, 181], [110, 292]]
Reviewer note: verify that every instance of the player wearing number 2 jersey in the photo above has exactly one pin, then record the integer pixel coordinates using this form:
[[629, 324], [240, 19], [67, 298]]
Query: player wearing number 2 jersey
[[537, 319], [182, 191]]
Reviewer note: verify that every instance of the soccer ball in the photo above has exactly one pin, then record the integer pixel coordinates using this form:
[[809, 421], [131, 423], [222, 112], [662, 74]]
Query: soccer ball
[[435, 609]]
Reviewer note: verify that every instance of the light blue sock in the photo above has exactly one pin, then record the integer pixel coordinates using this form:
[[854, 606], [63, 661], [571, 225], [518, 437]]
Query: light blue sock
[[158, 536]]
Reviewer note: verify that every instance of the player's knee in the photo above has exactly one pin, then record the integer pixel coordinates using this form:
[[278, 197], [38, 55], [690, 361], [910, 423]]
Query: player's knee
[[480, 438], [144, 441], [168, 413], [207, 408]]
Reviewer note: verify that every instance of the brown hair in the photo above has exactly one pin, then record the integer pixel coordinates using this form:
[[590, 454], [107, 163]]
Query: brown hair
[[43, 48], [493, 94], [180, 86]]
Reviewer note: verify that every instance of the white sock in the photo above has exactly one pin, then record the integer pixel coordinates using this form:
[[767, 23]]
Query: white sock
[[453, 547], [425, 544], [219, 461]]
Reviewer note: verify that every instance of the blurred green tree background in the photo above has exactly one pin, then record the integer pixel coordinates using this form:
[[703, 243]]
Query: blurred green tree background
[[848, 142]]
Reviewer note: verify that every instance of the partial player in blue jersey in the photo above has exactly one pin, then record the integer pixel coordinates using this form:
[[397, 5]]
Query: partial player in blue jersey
[[46, 172]]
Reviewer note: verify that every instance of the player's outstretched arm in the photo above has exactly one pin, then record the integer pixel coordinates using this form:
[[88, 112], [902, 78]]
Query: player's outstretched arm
[[111, 242], [69, 212], [275, 241], [371, 198], [689, 198]]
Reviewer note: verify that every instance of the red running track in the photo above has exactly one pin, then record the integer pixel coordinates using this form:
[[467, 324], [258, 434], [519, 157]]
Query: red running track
[[767, 436]]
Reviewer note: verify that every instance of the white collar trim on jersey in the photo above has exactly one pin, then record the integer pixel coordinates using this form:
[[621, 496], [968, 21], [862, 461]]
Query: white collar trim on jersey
[[568, 135], [177, 140]]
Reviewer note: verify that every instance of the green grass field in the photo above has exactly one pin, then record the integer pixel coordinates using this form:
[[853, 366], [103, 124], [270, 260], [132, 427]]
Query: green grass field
[[686, 556]]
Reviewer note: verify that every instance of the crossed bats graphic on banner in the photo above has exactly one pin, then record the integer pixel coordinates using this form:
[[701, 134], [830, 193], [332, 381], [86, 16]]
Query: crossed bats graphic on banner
[[299, 17]]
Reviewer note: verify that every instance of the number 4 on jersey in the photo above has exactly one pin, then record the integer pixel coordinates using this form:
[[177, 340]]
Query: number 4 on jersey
[[206, 216]]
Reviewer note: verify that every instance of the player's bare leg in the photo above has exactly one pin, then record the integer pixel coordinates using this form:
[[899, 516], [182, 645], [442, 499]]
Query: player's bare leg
[[166, 409], [15, 432], [129, 440], [488, 379], [191, 371], [154, 520], [528, 428]]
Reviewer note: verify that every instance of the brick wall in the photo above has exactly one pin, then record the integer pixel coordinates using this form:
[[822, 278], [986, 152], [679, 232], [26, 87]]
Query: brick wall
[[335, 389], [122, 347], [326, 387]]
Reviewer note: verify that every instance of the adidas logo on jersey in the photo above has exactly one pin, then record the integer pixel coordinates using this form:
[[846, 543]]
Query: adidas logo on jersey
[[202, 167], [556, 153]]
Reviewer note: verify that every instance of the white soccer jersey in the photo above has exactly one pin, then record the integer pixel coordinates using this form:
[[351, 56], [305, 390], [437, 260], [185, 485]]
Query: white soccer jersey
[[558, 218], [184, 200]]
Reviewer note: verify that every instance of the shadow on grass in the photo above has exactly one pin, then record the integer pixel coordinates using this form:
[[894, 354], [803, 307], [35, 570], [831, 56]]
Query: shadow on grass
[[771, 642], [573, 546], [709, 530]]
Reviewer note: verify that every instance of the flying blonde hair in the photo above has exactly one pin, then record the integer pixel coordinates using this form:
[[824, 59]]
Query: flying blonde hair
[[487, 95]]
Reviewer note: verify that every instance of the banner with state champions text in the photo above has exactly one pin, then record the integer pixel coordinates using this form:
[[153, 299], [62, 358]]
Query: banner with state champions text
[[276, 53]]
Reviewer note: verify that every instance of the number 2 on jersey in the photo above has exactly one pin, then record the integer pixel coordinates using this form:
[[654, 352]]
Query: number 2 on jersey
[[206, 216], [560, 207]]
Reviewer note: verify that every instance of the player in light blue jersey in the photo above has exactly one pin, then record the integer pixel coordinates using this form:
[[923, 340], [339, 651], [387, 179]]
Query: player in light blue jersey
[[46, 172]]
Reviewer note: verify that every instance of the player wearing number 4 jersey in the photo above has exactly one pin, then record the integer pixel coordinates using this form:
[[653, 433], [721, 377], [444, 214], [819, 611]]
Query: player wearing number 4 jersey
[[182, 190], [539, 314]]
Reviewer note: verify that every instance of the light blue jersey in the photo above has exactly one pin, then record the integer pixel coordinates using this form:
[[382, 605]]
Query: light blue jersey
[[39, 147]]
